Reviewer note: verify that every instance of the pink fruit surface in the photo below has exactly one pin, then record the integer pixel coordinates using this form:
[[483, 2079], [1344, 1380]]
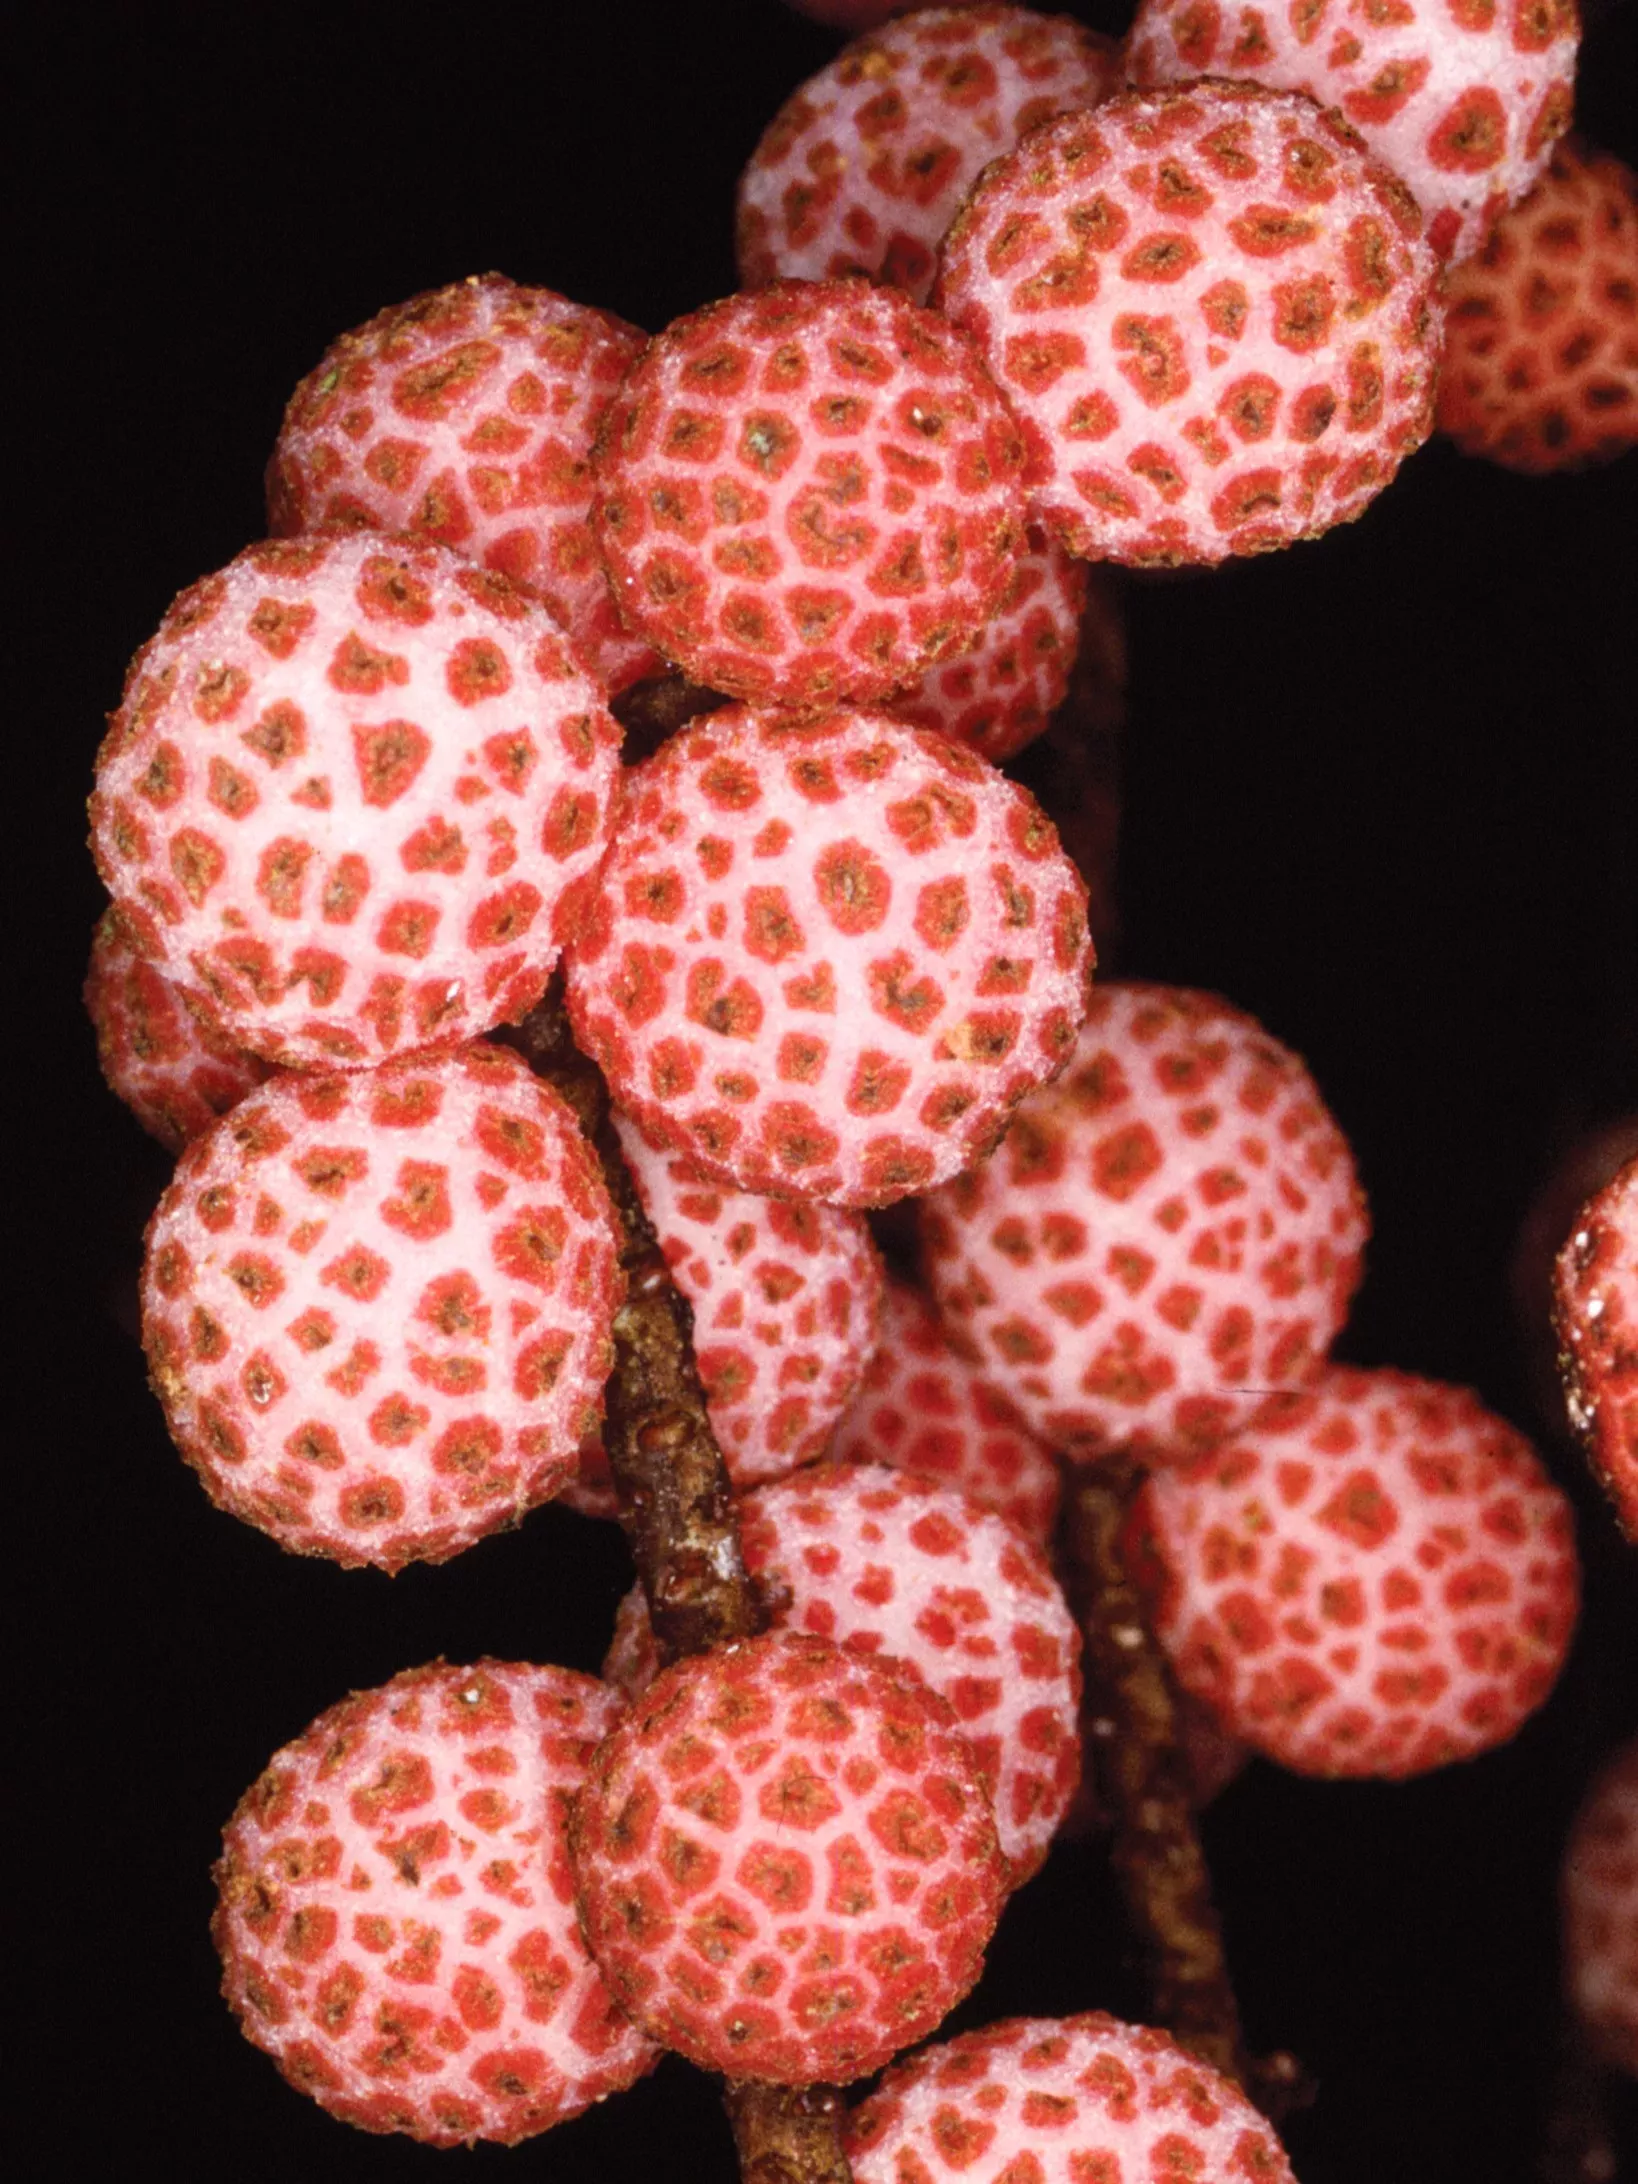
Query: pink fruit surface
[[1595, 1312], [1166, 1234], [1600, 1897], [925, 1407], [1541, 355], [396, 1918], [785, 1861], [809, 494], [1463, 99], [174, 1075], [1374, 1578], [864, 167], [1068, 2100], [1214, 315], [347, 795], [467, 415], [826, 958], [905, 1569], [377, 1307]]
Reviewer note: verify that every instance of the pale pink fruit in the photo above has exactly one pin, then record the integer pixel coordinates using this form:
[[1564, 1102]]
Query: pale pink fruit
[[1600, 1895]]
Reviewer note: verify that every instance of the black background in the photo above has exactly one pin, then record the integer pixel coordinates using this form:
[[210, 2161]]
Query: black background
[[1381, 790]]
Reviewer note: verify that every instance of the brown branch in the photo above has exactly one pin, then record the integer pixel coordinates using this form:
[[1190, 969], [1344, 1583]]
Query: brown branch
[[1143, 1781], [788, 2134], [652, 711]]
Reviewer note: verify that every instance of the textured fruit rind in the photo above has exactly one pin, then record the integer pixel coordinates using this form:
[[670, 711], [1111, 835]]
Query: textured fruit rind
[[1060, 2100], [174, 1075], [348, 795], [1600, 1898], [1463, 99], [810, 493], [1215, 317], [906, 1569], [925, 1407], [1165, 1234], [467, 415], [826, 958], [1541, 325], [1595, 1315], [1375, 1578], [396, 1918], [377, 1307], [786, 1864], [864, 167]]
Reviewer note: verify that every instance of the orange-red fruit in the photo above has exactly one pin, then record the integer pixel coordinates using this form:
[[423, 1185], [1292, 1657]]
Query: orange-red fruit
[[347, 797], [809, 494], [174, 1075], [785, 1861], [925, 1406], [1068, 2100], [1462, 99], [1375, 1577], [377, 1307], [826, 958], [1541, 349], [1215, 317], [1165, 1234], [467, 415], [864, 167], [396, 1918], [1595, 1313], [1600, 1896]]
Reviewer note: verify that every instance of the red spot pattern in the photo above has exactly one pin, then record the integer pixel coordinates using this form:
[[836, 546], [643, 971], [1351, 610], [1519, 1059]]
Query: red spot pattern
[[1462, 99], [347, 794], [174, 1075], [786, 1299], [786, 1863], [1168, 1233], [826, 958], [467, 415], [1213, 314], [1541, 359], [863, 168], [377, 1308], [810, 493], [1595, 1314], [396, 1918], [999, 695], [1600, 1891], [1374, 1578], [1061, 2100], [925, 1407], [905, 1569]]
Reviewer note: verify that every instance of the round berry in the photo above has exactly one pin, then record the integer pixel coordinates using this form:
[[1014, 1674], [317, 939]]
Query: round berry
[[377, 1308], [908, 1570], [863, 168], [1595, 1312], [1375, 1578], [1170, 1231], [1461, 98], [396, 1917], [1600, 1890], [347, 796], [1541, 354], [1213, 314], [174, 1075], [809, 494], [826, 958], [925, 1407], [786, 1864], [467, 415], [1061, 2100]]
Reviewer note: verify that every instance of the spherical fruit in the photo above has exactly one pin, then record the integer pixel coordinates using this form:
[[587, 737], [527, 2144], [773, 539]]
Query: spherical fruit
[[396, 1920], [1595, 1311], [377, 1307], [1600, 1892]]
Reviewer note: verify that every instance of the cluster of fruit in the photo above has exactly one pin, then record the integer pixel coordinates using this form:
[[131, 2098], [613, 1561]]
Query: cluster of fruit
[[364, 797]]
